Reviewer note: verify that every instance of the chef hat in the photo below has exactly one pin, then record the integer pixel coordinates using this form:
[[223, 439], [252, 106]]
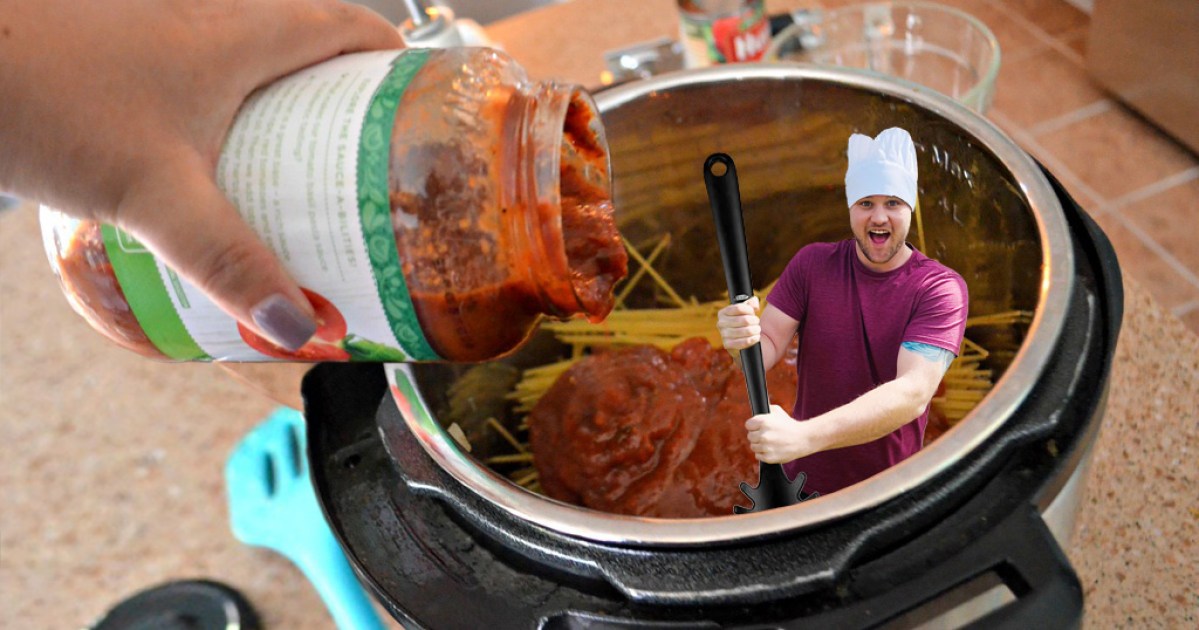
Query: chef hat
[[884, 165]]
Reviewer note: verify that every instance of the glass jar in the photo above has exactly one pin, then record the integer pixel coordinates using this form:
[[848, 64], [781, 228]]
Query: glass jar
[[723, 31], [432, 204]]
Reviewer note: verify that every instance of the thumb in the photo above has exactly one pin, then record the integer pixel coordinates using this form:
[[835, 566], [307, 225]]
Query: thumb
[[181, 215]]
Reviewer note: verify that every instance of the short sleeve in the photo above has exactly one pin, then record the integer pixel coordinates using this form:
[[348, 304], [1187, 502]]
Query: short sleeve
[[940, 314], [789, 294]]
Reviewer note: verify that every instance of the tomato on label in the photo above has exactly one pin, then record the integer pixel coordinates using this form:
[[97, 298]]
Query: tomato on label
[[325, 345], [736, 42]]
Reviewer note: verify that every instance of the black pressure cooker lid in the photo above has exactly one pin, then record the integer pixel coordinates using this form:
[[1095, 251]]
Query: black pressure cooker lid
[[182, 605], [444, 558]]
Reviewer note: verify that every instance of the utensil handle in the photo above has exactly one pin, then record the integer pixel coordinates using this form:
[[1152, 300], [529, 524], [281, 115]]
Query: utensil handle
[[755, 379], [720, 176], [325, 565]]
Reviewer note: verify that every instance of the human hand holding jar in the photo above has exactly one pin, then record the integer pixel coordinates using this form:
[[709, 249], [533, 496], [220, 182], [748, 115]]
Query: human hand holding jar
[[116, 112], [432, 205]]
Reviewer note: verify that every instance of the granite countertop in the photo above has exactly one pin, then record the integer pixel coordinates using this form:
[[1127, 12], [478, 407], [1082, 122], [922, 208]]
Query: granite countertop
[[112, 464]]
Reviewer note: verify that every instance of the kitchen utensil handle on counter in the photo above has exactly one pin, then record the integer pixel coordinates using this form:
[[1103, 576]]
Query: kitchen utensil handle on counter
[[275, 506], [724, 194], [325, 565]]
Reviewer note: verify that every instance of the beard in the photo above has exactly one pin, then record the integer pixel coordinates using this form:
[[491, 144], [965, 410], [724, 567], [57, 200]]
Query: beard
[[891, 248]]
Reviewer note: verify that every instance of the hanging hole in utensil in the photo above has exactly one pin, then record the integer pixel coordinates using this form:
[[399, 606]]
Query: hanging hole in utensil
[[297, 453], [718, 168], [268, 475]]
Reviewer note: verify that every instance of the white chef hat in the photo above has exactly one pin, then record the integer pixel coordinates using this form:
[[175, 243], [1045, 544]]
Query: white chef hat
[[883, 165]]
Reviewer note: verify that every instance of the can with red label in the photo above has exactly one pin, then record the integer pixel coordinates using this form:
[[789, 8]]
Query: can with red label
[[723, 31]]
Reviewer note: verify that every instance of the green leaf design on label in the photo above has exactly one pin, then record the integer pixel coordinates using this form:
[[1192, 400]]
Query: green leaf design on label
[[374, 153], [371, 351], [137, 272]]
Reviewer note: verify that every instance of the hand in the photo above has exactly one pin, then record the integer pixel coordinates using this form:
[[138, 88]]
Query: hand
[[116, 111], [739, 325], [776, 437]]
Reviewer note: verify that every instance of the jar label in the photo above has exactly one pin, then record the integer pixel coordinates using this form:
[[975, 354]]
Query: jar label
[[306, 164], [716, 39]]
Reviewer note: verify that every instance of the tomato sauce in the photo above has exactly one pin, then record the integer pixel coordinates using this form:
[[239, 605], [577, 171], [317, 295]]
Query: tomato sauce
[[91, 285], [473, 309], [645, 432]]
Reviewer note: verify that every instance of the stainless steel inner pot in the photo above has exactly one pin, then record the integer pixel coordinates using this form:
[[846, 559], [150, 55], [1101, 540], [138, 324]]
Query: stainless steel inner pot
[[987, 209]]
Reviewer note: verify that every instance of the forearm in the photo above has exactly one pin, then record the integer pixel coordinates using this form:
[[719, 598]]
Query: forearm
[[867, 418], [772, 349], [22, 37]]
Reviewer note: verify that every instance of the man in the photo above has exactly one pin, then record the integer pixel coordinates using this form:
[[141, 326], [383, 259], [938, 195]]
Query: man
[[878, 325]]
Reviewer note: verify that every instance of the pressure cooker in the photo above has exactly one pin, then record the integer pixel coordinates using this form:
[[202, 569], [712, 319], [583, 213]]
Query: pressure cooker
[[971, 530]]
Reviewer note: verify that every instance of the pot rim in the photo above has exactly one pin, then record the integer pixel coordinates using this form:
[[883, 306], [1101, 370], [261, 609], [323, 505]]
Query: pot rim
[[1056, 285]]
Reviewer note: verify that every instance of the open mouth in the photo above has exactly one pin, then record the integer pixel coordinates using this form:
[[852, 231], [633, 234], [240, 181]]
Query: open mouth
[[878, 237]]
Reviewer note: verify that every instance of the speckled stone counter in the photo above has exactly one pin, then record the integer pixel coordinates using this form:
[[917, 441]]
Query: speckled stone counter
[[111, 465]]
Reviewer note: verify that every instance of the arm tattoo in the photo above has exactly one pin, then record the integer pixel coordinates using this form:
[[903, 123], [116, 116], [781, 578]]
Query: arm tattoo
[[930, 352]]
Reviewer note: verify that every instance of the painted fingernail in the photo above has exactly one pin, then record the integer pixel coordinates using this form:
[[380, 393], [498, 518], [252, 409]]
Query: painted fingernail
[[283, 322]]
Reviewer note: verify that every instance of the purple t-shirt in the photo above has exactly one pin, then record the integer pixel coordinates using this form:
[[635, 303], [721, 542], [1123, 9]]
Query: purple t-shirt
[[836, 299]]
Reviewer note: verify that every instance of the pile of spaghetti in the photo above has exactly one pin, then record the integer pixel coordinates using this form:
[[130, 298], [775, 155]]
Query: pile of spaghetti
[[636, 471]]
